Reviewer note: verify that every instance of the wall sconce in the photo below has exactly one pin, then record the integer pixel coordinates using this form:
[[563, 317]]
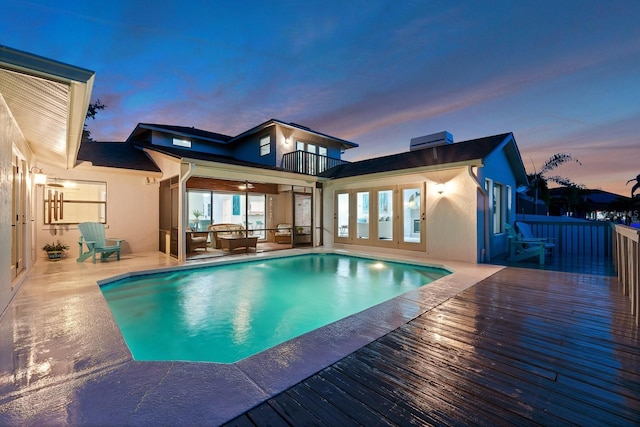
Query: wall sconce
[[39, 178], [440, 187], [287, 140]]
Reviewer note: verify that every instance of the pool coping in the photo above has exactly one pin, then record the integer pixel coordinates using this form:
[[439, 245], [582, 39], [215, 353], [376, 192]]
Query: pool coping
[[121, 390], [278, 368]]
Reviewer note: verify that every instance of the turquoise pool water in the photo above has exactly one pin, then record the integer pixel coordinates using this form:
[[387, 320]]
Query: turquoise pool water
[[228, 312]]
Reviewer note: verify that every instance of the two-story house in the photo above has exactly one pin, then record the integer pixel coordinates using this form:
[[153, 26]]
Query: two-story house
[[440, 199]]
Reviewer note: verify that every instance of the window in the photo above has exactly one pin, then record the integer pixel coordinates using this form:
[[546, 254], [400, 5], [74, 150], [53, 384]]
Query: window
[[498, 208], [322, 160], [265, 145], [227, 208], [182, 142], [343, 215], [411, 214], [363, 215], [313, 163], [73, 202], [385, 214]]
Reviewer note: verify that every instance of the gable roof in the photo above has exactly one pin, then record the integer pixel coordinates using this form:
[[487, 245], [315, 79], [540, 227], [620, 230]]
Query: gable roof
[[343, 143], [119, 155], [471, 152], [183, 131]]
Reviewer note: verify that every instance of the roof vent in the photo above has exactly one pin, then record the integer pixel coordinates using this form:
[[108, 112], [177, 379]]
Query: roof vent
[[433, 140]]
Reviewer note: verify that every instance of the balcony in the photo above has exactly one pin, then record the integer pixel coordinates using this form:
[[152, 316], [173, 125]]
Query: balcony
[[309, 163]]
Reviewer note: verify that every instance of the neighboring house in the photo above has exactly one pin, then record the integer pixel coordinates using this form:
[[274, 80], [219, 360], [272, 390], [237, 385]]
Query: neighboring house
[[440, 199], [591, 204]]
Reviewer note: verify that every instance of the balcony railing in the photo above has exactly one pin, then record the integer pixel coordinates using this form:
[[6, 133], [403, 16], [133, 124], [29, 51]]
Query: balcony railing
[[627, 262], [309, 163]]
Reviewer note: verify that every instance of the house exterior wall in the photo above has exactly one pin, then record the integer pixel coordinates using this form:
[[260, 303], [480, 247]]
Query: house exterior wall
[[132, 210], [248, 148], [11, 142], [498, 170], [292, 135], [164, 139], [450, 220]]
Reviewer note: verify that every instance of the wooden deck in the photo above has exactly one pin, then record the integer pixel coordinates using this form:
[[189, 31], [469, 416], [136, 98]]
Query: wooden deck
[[523, 347]]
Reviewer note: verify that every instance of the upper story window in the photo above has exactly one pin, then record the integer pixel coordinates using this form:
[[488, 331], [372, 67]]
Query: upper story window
[[182, 142], [265, 145]]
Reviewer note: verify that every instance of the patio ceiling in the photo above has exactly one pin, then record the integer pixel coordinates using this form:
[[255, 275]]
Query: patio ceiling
[[49, 102]]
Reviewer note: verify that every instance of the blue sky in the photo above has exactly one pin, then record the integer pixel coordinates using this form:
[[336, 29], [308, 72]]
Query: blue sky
[[563, 76]]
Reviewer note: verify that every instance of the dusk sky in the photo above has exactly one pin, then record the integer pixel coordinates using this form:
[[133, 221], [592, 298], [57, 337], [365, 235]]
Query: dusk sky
[[563, 76]]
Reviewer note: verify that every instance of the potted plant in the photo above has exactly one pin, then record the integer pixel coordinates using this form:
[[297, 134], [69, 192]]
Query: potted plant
[[55, 250], [197, 214]]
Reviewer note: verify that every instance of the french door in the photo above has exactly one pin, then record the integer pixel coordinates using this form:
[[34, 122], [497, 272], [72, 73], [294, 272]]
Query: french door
[[392, 216]]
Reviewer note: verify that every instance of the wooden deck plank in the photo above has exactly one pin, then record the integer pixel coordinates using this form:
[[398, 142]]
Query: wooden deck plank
[[584, 393], [542, 361], [522, 347]]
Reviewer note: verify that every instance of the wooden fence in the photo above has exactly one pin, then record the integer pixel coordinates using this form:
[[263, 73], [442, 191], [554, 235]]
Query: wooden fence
[[627, 262], [580, 238]]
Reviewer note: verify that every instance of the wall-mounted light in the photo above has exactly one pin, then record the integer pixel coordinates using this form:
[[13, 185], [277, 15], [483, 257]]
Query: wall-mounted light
[[39, 178], [287, 140], [440, 187]]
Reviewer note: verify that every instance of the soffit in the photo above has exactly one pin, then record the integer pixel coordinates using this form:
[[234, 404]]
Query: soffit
[[40, 107], [49, 101]]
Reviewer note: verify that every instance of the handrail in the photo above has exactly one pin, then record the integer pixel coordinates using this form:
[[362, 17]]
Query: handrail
[[627, 264], [309, 163]]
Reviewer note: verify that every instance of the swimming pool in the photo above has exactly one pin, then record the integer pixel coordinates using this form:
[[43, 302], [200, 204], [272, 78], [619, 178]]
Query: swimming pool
[[225, 313]]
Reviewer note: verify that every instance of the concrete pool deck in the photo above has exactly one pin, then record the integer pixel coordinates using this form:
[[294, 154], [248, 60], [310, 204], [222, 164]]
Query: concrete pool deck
[[63, 360]]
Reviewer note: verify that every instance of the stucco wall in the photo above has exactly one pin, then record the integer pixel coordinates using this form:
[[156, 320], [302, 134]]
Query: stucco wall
[[451, 231], [10, 138], [132, 210]]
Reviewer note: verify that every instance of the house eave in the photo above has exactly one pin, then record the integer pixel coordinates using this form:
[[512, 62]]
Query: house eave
[[411, 171]]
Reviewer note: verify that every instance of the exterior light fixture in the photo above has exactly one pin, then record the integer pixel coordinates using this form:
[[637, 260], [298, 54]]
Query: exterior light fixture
[[440, 187], [39, 178]]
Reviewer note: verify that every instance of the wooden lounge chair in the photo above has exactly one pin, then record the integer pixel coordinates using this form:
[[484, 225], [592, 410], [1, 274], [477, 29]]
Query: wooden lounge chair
[[92, 235], [525, 230], [521, 249]]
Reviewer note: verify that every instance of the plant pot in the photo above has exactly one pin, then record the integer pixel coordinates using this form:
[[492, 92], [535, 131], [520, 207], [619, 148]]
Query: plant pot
[[54, 255]]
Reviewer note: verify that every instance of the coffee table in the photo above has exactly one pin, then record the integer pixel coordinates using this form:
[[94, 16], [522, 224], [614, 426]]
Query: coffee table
[[232, 243]]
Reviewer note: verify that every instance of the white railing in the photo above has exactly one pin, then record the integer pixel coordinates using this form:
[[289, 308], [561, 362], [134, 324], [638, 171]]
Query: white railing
[[627, 262]]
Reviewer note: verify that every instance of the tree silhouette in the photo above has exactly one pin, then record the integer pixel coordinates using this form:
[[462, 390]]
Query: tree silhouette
[[636, 186], [92, 111], [539, 182]]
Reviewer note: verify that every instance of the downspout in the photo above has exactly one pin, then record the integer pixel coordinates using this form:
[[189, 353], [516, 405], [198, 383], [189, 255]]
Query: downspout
[[182, 247], [486, 252]]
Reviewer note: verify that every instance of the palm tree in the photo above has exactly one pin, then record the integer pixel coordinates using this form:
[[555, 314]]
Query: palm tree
[[636, 186], [538, 181]]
